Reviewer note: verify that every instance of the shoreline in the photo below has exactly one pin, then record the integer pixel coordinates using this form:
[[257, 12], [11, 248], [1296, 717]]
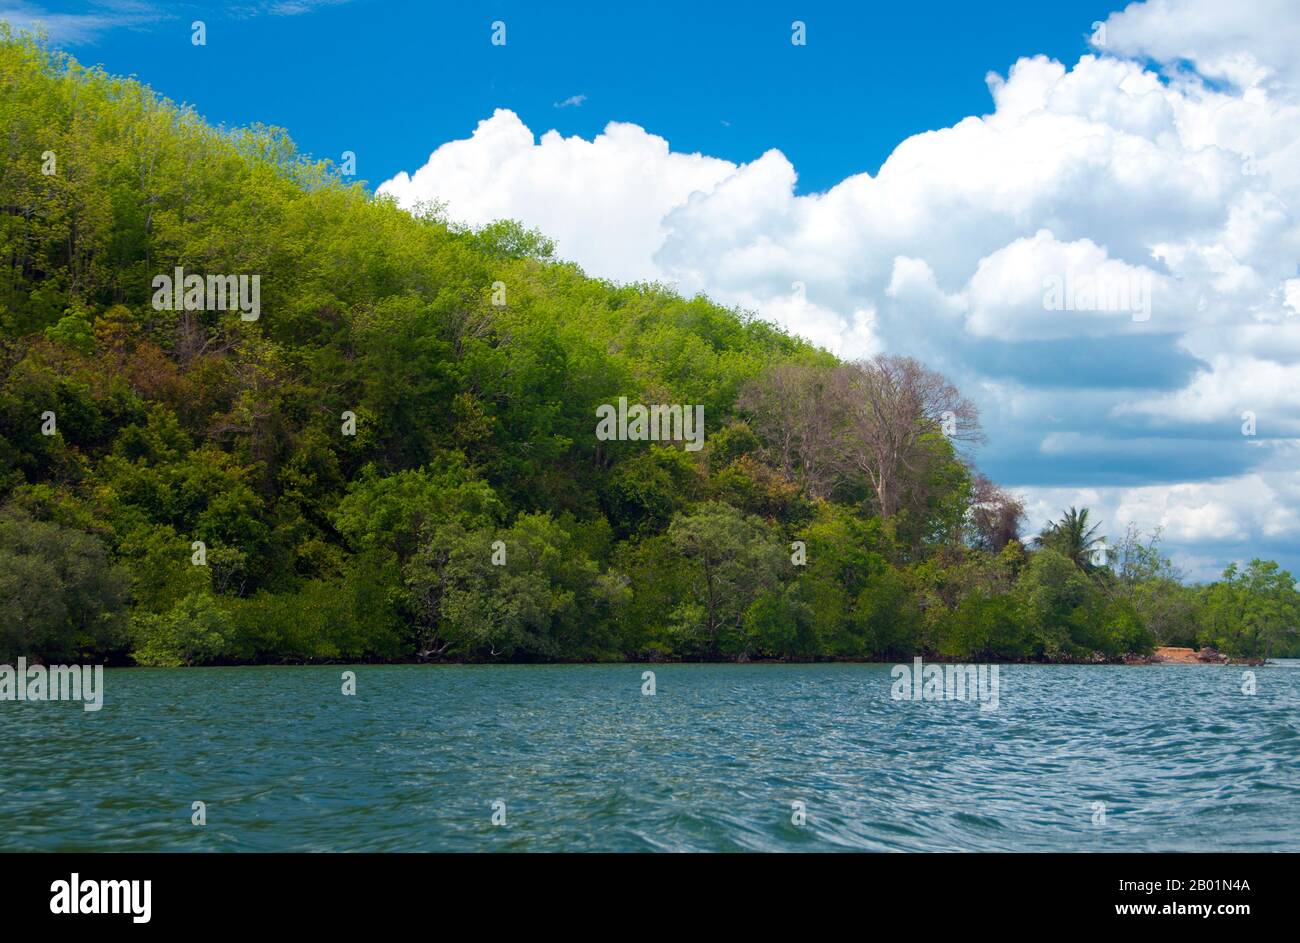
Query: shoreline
[[1163, 655]]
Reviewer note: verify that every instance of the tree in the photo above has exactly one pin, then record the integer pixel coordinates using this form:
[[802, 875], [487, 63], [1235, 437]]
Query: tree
[[193, 632], [507, 239], [520, 592], [389, 512], [1251, 613], [1272, 610], [779, 624], [755, 488], [794, 407], [60, 595], [898, 412], [733, 559], [888, 616], [1074, 539], [1149, 581], [1052, 587], [987, 625], [996, 516], [844, 552], [644, 491]]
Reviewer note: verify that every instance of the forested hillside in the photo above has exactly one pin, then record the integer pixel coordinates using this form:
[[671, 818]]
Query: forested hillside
[[398, 459]]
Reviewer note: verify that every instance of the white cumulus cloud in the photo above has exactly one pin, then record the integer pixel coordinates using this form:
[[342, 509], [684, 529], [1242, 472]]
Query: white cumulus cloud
[[1156, 181]]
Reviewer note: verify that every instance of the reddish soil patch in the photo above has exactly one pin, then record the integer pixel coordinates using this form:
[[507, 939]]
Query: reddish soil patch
[[1177, 656]]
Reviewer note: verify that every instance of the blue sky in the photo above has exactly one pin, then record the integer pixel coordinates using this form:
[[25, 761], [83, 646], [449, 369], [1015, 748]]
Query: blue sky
[[388, 80], [909, 182]]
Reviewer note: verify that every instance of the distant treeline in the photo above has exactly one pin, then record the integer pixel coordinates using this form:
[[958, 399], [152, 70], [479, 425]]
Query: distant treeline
[[398, 457]]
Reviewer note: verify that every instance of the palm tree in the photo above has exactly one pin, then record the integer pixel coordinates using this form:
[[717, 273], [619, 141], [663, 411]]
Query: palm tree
[[1073, 538]]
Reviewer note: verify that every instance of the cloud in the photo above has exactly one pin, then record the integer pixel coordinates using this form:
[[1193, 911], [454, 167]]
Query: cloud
[[1246, 44], [1106, 261], [295, 7], [1207, 524], [80, 28], [85, 28], [573, 101], [604, 201]]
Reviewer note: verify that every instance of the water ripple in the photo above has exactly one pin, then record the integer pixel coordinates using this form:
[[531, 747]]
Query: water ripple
[[1180, 758]]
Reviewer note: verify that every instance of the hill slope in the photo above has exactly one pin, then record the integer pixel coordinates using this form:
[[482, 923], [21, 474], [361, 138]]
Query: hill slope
[[387, 446]]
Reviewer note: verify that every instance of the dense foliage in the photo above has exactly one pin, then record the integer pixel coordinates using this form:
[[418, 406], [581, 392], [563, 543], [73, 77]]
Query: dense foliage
[[182, 486]]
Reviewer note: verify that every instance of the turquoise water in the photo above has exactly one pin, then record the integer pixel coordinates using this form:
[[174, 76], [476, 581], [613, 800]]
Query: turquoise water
[[584, 761]]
